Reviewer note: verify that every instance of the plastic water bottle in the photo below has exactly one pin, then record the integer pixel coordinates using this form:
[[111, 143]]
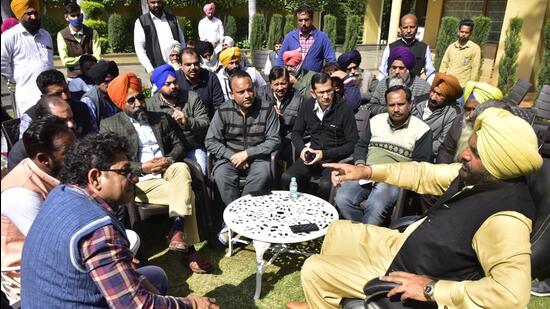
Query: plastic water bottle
[[293, 189]]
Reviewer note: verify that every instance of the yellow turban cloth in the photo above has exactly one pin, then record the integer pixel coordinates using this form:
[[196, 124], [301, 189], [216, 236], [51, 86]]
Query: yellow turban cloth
[[230, 54], [482, 92], [18, 7], [507, 145]]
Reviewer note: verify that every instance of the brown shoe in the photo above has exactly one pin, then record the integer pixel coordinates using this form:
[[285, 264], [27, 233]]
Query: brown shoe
[[196, 263], [297, 305], [177, 242]]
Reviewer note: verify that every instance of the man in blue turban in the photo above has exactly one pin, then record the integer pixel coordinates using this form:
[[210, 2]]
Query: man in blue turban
[[401, 62], [160, 75]]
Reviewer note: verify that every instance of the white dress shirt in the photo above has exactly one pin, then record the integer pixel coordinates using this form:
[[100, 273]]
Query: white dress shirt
[[210, 30], [24, 56], [148, 147], [164, 35], [319, 112]]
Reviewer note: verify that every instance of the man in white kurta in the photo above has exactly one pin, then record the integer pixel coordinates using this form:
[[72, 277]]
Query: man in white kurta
[[211, 27]]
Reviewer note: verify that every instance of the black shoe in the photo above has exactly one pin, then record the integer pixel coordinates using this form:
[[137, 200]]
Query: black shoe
[[540, 288]]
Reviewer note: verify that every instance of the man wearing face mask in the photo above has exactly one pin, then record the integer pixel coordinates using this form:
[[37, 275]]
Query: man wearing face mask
[[209, 60], [76, 40], [26, 52], [400, 63], [153, 33]]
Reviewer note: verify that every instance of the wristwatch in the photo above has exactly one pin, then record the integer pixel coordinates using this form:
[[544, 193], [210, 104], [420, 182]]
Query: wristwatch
[[429, 290]]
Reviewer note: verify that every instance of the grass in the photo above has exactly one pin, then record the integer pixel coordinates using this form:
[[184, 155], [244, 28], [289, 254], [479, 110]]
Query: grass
[[232, 280]]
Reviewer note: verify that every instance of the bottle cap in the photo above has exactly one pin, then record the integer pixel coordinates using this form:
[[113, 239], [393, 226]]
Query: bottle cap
[[293, 179]]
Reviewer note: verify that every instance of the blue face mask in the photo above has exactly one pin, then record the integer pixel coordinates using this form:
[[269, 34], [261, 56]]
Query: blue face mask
[[77, 22]]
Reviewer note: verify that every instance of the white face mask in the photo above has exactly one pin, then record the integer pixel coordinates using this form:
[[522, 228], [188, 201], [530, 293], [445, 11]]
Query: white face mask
[[210, 62]]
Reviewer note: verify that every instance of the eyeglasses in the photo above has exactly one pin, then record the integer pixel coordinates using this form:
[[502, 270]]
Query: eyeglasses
[[128, 172], [139, 97]]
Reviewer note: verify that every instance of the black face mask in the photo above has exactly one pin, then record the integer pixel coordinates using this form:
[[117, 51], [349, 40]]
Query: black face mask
[[32, 26]]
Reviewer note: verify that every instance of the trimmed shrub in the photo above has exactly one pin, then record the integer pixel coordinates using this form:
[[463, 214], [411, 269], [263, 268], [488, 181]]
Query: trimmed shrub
[[353, 22], [53, 26], [92, 10], [544, 71], [508, 64], [482, 26], [117, 33], [329, 27], [446, 35], [189, 32], [275, 30], [98, 25], [289, 24], [257, 35], [230, 27]]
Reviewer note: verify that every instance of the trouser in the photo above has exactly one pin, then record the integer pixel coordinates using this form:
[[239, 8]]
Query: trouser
[[303, 173], [173, 189], [258, 177], [343, 266], [369, 204], [156, 276], [198, 155]]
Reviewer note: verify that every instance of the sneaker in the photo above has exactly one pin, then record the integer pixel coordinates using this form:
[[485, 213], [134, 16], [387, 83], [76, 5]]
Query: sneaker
[[223, 237], [540, 288]]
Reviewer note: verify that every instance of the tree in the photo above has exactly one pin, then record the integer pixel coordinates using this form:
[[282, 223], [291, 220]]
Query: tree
[[251, 13], [289, 24], [94, 12], [275, 29], [117, 33], [508, 65], [329, 27], [353, 22], [446, 35], [544, 71], [482, 26], [257, 34], [230, 27]]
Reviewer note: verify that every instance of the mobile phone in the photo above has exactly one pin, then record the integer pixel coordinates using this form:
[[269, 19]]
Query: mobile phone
[[260, 193], [309, 156], [302, 228]]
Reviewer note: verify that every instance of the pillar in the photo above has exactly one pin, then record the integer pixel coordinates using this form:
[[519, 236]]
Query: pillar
[[394, 20]]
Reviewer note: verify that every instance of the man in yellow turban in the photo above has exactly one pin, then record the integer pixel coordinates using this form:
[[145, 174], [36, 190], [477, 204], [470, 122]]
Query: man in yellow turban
[[456, 141], [471, 250], [230, 59], [25, 56]]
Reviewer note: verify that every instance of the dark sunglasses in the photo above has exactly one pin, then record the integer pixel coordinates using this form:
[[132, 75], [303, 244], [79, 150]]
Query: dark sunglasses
[[128, 172], [138, 97]]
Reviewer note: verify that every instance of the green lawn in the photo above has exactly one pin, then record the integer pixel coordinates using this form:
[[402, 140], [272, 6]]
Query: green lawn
[[233, 280]]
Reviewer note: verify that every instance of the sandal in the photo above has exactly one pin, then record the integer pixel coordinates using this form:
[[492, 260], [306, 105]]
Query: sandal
[[177, 241], [195, 263]]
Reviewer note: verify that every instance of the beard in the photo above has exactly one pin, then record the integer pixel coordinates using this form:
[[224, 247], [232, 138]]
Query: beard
[[138, 113], [32, 26], [156, 11], [396, 81]]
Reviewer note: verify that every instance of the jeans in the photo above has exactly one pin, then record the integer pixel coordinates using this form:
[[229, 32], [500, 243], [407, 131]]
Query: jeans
[[156, 276], [198, 155], [303, 174], [369, 204]]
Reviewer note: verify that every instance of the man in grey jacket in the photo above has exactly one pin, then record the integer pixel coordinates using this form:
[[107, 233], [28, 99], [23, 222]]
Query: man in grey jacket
[[241, 136], [186, 108], [400, 63], [440, 109]]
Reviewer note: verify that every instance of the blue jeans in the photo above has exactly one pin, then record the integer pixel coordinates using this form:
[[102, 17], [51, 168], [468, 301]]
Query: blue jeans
[[156, 276], [367, 204]]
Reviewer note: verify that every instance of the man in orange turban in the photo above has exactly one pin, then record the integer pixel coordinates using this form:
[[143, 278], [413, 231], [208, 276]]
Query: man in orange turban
[[441, 108], [124, 86]]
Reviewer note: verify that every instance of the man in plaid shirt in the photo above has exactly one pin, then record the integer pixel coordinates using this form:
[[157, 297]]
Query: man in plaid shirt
[[97, 270]]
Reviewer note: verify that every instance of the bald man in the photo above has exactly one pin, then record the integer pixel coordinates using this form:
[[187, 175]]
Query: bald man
[[471, 250], [408, 27]]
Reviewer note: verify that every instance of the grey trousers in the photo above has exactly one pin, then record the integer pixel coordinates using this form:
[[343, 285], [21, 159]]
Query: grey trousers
[[258, 177]]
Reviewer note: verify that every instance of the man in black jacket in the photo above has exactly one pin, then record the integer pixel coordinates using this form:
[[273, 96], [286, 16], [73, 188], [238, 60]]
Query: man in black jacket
[[331, 124]]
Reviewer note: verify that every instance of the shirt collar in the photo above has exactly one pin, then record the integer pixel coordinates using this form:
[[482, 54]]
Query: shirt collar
[[309, 34], [403, 126], [406, 43], [468, 44], [317, 107], [87, 192], [75, 32]]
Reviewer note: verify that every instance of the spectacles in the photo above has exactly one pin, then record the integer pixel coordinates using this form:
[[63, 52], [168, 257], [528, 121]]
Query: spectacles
[[128, 172], [139, 97]]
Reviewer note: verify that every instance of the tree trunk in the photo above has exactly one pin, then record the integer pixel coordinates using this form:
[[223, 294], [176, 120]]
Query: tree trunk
[[251, 12]]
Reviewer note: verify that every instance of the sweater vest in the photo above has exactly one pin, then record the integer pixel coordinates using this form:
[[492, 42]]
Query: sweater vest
[[75, 48], [52, 272], [418, 49], [389, 145], [152, 45], [441, 247], [242, 132]]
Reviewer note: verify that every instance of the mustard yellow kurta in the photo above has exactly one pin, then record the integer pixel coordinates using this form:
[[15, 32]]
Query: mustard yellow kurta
[[354, 253]]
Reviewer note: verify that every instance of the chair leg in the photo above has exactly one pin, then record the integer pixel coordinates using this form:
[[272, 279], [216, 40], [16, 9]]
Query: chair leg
[[132, 214]]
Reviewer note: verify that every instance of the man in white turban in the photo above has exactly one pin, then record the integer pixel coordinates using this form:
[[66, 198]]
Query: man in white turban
[[471, 250]]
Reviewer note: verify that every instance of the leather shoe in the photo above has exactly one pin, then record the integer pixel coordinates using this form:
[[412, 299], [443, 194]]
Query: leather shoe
[[297, 305]]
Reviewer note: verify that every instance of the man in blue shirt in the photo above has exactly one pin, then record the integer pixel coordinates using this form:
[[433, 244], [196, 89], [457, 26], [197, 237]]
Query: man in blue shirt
[[314, 44]]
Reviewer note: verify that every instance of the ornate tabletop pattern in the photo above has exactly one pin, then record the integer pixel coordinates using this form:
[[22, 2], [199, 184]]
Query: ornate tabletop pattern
[[267, 218]]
